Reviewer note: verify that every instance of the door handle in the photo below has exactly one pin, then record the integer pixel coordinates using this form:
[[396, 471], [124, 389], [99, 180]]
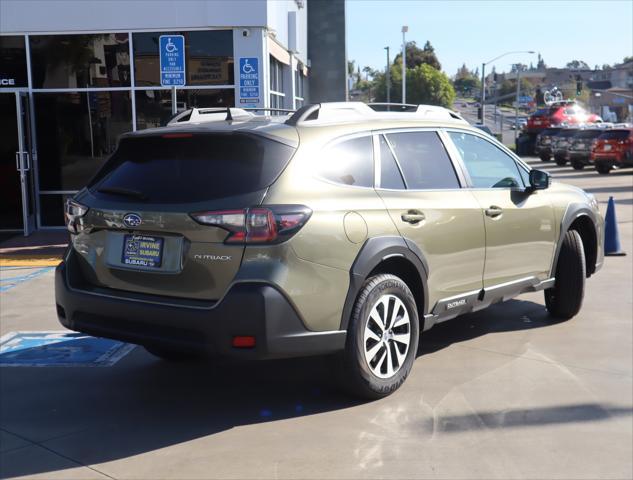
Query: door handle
[[494, 211], [412, 216]]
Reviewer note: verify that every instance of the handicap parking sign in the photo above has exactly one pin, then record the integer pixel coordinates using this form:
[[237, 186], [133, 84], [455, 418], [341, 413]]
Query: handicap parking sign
[[172, 60], [249, 81]]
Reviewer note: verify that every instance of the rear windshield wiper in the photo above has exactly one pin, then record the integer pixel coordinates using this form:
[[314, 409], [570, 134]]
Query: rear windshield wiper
[[123, 191]]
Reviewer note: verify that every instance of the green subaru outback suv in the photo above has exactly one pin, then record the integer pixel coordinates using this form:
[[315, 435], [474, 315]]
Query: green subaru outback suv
[[340, 230]]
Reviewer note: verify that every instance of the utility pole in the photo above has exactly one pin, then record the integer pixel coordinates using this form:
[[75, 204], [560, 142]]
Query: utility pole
[[388, 80], [405, 29]]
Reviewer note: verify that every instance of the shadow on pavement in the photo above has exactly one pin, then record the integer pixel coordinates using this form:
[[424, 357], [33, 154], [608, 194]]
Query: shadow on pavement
[[533, 417], [94, 415]]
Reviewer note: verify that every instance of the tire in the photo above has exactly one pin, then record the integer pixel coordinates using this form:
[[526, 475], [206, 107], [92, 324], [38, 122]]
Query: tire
[[564, 299], [170, 355], [369, 346], [603, 169], [560, 161], [544, 157], [578, 165]]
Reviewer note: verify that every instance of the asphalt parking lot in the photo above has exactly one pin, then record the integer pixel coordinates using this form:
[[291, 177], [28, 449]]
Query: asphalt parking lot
[[502, 393]]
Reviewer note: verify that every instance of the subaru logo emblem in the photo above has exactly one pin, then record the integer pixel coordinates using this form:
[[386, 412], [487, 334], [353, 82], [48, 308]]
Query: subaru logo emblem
[[132, 220]]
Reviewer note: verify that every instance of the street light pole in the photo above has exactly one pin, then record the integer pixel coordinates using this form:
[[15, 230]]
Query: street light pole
[[483, 93], [405, 29], [516, 104], [483, 79], [388, 81]]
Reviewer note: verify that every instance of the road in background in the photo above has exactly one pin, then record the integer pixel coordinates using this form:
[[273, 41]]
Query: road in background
[[501, 122]]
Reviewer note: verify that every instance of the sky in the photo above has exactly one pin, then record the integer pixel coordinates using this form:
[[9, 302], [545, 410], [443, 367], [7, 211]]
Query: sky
[[596, 31]]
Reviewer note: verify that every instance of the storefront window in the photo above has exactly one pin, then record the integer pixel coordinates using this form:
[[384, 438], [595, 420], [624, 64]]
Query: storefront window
[[12, 62], [76, 132], [52, 209], [208, 56], [153, 107], [80, 61]]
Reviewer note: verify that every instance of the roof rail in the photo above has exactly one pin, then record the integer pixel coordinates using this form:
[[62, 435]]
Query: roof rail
[[341, 111], [330, 111], [392, 107]]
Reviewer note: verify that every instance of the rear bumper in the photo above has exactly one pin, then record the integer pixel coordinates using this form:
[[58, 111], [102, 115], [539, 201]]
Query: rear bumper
[[248, 309], [616, 159]]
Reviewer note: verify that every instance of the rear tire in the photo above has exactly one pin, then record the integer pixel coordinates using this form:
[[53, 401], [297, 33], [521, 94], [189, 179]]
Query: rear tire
[[578, 165], [560, 161], [170, 355], [377, 358], [603, 169], [564, 299], [544, 157]]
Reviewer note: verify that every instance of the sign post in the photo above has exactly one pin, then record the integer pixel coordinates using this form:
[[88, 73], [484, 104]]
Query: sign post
[[249, 81], [172, 64]]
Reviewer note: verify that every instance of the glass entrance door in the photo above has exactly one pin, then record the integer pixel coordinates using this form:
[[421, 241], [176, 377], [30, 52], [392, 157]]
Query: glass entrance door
[[16, 159]]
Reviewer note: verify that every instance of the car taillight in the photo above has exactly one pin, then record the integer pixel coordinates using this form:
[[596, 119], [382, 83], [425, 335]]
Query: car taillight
[[257, 225], [73, 212]]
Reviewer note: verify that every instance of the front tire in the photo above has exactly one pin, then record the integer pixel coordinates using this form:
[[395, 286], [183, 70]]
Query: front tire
[[564, 299], [578, 165], [544, 157], [603, 169], [382, 338], [560, 161]]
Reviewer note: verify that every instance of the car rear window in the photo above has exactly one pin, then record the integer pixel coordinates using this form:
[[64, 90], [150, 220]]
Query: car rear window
[[615, 135], [542, 112], [550, 131], [184, 168], [567, 133]]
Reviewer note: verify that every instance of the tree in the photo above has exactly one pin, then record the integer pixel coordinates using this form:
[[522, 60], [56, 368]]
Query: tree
[[577, 65], [417, 56], [466, 81], [509, 87], [425, 84]]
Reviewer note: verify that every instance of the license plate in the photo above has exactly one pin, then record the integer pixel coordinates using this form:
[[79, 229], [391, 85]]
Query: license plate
[[142, 251], [537, 122], [607, 147]]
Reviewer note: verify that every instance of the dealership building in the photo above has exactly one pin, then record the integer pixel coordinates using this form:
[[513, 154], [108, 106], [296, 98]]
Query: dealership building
[[76, 75]]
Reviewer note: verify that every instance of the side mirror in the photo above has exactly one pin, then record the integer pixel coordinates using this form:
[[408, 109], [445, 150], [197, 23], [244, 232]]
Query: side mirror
[[539, 180]]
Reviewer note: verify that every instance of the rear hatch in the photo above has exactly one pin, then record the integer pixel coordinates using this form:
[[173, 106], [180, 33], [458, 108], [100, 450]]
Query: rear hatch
[[539, 120], [139, 234], [584, 140], [611, 141]]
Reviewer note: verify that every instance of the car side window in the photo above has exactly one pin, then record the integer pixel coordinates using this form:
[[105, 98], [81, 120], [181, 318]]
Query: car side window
[[424, 161], [390, 176], [487, 165], [350, 162]]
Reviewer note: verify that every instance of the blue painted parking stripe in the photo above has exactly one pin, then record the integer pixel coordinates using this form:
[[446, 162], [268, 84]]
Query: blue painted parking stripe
[[8, 283], [59, 349]]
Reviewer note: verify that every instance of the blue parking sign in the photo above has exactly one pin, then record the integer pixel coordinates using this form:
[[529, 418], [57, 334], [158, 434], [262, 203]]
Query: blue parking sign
[[249, 81], [172, 60]]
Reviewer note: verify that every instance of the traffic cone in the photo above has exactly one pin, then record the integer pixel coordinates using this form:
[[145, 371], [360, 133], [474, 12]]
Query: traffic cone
[[611, 234]]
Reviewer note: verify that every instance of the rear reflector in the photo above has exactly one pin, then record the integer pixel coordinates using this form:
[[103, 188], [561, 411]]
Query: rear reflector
[[244, 342]]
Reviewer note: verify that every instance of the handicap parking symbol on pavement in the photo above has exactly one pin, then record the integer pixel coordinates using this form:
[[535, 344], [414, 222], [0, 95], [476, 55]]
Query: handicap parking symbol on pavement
[[59, 349]]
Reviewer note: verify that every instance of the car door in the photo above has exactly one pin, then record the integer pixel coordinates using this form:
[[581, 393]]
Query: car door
[[520, 225], [422, 192]]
